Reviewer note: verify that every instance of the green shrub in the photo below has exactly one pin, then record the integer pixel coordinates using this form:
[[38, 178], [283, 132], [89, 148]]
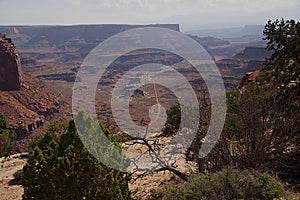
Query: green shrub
[[173, 120], [227, 184], [60, 167], [3, 122], [7, 137]]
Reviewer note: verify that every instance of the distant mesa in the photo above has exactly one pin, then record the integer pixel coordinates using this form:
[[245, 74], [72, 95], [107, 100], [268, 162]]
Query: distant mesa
[[55, 53], [62, 35], [52, 52], [10, 65], [254, 52]]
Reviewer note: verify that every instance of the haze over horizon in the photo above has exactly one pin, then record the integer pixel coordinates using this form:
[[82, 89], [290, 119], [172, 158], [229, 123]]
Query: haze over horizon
[[190, 14]]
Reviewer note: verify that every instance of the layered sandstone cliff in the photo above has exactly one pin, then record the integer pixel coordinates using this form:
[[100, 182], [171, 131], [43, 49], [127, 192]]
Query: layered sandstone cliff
[[26, 102], [10, 65]]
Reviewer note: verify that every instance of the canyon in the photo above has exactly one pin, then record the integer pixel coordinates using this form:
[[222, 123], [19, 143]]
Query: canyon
[[37, 79]]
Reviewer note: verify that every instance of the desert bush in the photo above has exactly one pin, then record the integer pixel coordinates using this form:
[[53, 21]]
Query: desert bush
[[226, 184], [7, 137], [173, 120], [60, 167]]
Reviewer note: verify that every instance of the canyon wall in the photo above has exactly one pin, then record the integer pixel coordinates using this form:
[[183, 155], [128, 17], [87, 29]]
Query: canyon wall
[[10, 65]]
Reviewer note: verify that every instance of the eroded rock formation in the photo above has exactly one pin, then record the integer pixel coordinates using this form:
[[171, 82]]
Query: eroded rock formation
[[10, 65], [26, 102]]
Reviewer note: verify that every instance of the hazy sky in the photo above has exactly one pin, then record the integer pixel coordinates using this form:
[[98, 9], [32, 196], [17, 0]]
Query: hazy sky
[[191, 14]]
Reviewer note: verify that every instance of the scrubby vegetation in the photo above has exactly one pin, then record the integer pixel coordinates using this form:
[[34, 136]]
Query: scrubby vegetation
[[60, 167], [261, 131], [262, 126], [173, 120], [226, 184], [7, 137]]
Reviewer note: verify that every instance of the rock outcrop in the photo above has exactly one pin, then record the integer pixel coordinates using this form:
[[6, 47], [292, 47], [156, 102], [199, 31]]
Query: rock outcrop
[[30, 107], [10, 65], [254, 53], [27, 102], [247, 79]]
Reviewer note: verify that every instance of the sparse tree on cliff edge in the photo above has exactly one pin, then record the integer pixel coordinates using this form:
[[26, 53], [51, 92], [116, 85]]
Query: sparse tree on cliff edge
[[284, 40]]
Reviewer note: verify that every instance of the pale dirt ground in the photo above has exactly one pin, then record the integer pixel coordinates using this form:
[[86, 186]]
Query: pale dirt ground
[[145, 186], [142, 188], [8, 166]]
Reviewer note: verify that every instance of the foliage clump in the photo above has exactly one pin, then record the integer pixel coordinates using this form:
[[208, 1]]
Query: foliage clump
[[7, 137], [226, 184], [173, 120], [262, 124], [60, 167], [262, 128]]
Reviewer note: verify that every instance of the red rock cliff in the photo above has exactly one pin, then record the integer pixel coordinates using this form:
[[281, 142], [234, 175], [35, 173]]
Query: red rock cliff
[[27, 102], [10, 65]]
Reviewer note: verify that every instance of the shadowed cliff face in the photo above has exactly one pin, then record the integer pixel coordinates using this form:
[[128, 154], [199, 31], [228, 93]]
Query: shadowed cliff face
[[26, 102], [10, 65]]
